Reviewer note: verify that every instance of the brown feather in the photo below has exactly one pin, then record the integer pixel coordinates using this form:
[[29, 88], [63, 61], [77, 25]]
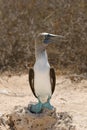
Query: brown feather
[[52, 79], [31, 80]]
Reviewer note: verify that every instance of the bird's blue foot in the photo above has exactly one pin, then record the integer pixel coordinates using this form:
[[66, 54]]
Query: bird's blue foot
[[48, 105], [36, 108], [40, 106]]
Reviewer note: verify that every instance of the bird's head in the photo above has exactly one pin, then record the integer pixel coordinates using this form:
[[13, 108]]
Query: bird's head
[[44, 39], [47, 38]]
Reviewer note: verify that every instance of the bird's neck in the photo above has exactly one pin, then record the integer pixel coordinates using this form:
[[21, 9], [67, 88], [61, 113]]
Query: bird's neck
[[41, 56], [40, 52]]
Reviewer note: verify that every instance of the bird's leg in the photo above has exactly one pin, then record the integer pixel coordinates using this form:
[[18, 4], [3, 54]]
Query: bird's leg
[[48, 105], [37, 108]]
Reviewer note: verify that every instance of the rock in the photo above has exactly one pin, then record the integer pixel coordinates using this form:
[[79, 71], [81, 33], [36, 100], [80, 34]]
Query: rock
[[64, 122], [3, 122], [22, 119]]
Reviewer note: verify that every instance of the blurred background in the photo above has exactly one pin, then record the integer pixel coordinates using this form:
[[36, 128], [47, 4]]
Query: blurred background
[[21, 20]]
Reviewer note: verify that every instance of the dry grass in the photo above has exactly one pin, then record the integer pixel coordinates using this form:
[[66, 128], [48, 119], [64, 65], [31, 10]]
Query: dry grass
[[20, 21]]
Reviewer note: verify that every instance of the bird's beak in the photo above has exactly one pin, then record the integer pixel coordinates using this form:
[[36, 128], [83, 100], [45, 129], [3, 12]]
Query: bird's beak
[[57, 38]]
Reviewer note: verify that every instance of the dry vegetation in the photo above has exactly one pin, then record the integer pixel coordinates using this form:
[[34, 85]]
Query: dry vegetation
[[20, 20]]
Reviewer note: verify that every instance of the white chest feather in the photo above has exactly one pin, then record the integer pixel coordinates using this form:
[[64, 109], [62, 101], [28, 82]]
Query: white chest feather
[[42, 83]]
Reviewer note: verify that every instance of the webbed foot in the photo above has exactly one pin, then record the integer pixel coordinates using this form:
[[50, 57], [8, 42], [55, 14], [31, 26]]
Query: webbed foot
[[48, 105], [36, 108]]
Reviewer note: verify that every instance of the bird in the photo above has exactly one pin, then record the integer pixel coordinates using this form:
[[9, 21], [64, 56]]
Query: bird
[[42, 77]]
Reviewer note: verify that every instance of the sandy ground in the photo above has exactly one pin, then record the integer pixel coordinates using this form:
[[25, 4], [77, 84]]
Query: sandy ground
[[68, 97]]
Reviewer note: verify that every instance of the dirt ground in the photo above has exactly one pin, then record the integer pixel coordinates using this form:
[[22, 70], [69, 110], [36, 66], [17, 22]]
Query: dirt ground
[[70, 96]]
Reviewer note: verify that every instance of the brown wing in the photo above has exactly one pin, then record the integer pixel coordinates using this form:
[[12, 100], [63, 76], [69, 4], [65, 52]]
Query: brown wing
[[52, 79], [31, 80]]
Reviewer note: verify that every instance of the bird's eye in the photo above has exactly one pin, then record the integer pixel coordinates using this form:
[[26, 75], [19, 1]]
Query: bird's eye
[[47, 37]]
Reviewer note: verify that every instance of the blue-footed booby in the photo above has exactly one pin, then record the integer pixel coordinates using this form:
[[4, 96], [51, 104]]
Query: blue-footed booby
[[42, 77]]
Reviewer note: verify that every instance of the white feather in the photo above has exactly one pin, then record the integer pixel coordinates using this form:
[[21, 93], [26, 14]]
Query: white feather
[[42, 78], [44, 33]]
